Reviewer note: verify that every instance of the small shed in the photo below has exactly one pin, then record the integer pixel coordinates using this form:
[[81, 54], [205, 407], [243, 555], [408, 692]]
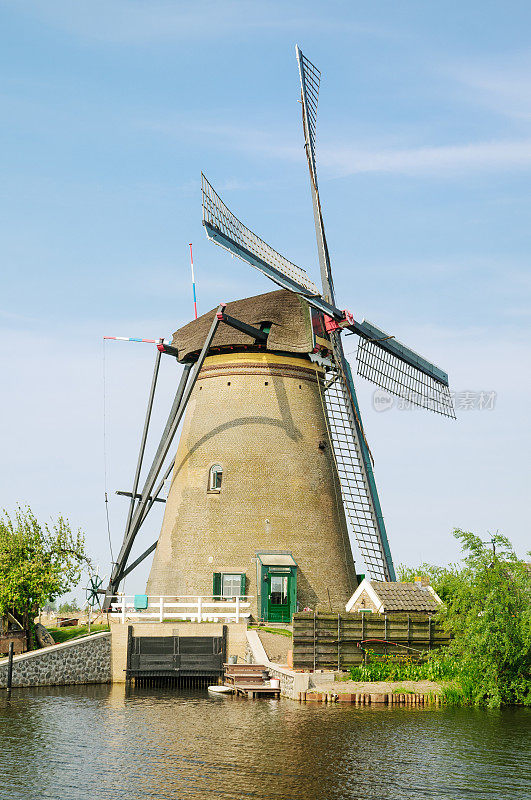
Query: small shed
[[386, 597]]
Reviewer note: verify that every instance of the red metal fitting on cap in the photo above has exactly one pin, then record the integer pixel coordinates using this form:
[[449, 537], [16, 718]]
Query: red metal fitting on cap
[[349, 317], [330, 324]]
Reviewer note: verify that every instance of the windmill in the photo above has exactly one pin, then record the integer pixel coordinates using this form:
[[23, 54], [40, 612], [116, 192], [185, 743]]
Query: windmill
[[293, 335], [381, 358]]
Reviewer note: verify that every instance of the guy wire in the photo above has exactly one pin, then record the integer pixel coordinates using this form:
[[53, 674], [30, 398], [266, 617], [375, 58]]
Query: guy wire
[[105, 456]]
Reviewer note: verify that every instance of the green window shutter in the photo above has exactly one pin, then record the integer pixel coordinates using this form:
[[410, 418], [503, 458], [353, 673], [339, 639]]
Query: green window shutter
[[242, 584], [216, 583]]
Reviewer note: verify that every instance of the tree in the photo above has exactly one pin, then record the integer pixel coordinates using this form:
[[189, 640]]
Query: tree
[[488, 612], [443, 579], [487, 609], [38, 563], [68, 606]]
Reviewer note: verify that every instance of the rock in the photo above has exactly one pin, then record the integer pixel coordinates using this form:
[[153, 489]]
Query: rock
[[43, 636]]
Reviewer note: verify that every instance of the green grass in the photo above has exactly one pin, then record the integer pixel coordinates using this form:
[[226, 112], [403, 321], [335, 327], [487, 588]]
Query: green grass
[[280, 631], [403, 690], [65, 634], [453, 695]]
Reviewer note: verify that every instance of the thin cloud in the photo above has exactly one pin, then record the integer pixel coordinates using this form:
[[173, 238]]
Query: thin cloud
[[503, 87], [344, 161], [240, 137], [139, 23]]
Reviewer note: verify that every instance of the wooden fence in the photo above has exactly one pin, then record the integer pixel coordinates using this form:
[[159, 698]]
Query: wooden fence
[[215, 608], [19, 642], [338, 641]]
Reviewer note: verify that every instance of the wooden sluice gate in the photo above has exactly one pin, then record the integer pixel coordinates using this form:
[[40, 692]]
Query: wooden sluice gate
[[173, 682], [179, 661]]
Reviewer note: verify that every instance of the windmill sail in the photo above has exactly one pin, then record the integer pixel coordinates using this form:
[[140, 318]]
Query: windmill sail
[[223, 228], [381, 358], [399, 370], [310, 80], [358, 488], [356, 479]]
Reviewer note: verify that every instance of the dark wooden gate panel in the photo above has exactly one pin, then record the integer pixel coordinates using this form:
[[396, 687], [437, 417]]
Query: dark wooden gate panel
[[175, 656], [154, 654]]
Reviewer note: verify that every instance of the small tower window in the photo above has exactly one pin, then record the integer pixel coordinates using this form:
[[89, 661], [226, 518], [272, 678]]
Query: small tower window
[[214, 478]]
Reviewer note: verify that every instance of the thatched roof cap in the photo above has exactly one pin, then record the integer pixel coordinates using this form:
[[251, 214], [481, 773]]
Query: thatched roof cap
[[289, 315]]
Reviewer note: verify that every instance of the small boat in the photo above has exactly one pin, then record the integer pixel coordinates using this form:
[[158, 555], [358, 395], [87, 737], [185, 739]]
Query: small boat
[[221, 689]]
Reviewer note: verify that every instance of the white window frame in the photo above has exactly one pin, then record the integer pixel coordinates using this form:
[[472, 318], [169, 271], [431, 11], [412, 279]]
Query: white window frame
[[214, 471], [233, 576]]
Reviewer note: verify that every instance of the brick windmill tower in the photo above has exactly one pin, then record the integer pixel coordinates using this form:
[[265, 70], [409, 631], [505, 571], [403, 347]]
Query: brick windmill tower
[[254, 504], [272, 460]]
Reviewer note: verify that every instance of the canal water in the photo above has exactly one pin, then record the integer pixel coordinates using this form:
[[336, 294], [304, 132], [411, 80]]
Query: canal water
[[113, 743]]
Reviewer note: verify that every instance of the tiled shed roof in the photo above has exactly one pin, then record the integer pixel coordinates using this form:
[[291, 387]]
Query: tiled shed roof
[[404, 596]]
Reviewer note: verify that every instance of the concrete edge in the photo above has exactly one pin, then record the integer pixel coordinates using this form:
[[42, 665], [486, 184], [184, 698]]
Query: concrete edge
[[54, 648], [257, 648], [298, 681]]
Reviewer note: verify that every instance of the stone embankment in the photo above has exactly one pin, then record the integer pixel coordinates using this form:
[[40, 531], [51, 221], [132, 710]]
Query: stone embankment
[[84, 660], [372, 698], [410, 693]]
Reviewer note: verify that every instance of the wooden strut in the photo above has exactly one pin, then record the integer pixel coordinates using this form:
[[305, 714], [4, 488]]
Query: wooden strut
[[148, 496], [144, 438], [138, 511], [338, 642], [138, 496]]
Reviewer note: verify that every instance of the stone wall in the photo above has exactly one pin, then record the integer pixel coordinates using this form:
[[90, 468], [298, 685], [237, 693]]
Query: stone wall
[[85, 660]]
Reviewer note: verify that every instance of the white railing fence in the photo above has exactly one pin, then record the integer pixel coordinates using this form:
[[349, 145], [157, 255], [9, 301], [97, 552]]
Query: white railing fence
[[188, 608]]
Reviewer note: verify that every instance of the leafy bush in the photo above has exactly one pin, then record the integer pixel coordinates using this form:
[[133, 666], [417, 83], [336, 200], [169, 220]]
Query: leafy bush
[[67, 607], [435, 667], [444, 580], [38, 563], [487, 609], [489, 614]]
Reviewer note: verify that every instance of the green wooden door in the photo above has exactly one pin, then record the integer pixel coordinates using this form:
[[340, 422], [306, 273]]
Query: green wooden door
[[278, 602]]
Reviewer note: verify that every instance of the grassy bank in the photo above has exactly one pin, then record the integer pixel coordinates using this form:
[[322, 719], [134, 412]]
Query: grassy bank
[[279, 631], [65, 634], [455, 685]]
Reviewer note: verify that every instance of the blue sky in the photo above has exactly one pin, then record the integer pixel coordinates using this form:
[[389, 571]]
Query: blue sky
[[110, 111]]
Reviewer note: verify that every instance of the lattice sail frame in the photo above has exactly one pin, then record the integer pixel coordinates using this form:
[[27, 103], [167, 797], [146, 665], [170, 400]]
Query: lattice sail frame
[[353, 479], [310, 81], [220, 218], [413, 385]]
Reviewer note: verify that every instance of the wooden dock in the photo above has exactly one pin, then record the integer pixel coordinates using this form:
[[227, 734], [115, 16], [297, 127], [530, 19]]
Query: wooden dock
[[254, 690], [247, 680]]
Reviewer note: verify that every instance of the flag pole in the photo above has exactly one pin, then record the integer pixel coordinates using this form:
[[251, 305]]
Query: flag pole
[[193, 280]]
